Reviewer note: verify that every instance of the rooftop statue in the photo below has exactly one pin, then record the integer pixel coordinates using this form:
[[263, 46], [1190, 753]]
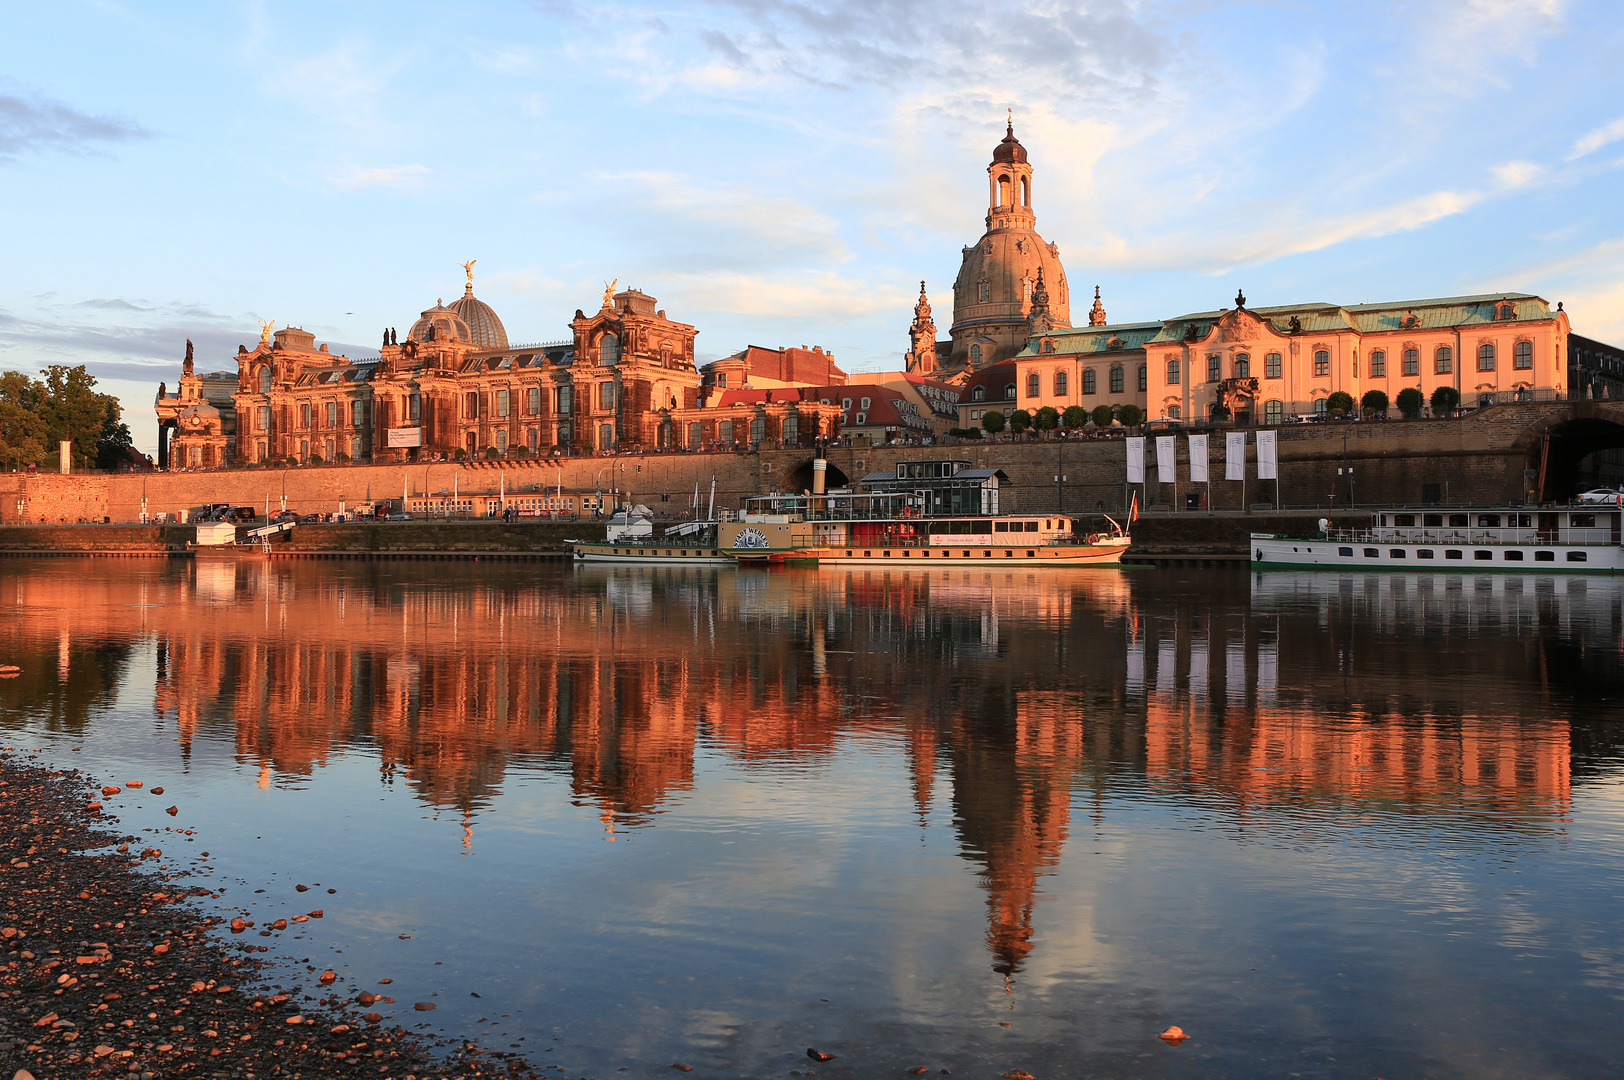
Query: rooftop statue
[[186, 365], [265, 328], [609, 292], [468, 268]]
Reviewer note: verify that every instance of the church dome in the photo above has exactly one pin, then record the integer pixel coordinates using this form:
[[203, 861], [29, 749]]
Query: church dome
[[1009, 150], [484, 328], [440, 323]]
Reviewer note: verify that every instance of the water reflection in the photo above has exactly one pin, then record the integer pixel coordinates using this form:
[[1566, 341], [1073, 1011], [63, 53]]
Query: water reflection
[[1038, 713]]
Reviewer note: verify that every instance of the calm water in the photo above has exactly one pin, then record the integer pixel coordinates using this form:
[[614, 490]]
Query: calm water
[[1331, 826]]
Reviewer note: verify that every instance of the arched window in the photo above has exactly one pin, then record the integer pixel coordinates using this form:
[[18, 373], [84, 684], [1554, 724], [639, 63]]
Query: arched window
[[1026, 191], [1322, 362], [1174, 375], [981, 290], [1271, 365], [501, 440], [1033, 385], [758, 430], [1174, 412], [1320, 405], [1048, 345], [975, 354], [532, 439], [1274, 412], [1088, 381], [606, 395], [1009, 392], [1144, 378], [1060, 384], [1243, 365], [1443, 361], [1412, 361], [355, 449], [265, 379], [1507, 311], [1485, 357], [1522, 355], [1378, 365], [1003, 191], [608, 349], [1116, 380], [606, 437], [979, 394]]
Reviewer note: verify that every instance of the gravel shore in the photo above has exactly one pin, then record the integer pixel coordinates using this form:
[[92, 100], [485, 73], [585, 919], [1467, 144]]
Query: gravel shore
[[106, 970]]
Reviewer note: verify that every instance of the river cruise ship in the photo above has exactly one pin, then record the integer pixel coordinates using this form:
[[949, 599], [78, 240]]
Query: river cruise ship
[[930, 512], [1570, 539]]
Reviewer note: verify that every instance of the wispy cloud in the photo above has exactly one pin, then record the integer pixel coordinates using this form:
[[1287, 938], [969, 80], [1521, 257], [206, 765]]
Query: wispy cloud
[[30, 124], [399, 177], [1595, 140]]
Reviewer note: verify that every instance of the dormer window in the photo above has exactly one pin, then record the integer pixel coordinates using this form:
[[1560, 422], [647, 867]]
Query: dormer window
[[1411, 322], [1048, 345], [1506, 312], [979, 394], [1009, 392]]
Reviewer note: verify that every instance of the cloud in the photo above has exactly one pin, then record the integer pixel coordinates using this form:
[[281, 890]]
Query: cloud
[[821, 295], [1607, 133], [400, 177], [31, 124]]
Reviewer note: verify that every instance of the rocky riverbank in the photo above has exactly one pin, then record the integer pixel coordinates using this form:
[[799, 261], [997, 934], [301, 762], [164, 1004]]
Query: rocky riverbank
[[106, 969]]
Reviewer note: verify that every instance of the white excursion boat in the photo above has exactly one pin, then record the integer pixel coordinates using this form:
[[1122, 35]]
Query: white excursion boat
[[1570, 539], [629, 538]]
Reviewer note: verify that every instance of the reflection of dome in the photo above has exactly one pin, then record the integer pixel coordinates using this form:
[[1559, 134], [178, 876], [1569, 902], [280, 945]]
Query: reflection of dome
[[486, 330], [1010, 149], [445, 323]]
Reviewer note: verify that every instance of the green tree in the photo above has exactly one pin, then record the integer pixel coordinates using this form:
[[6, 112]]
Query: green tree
[[1410, 402], [1046, 418], [37, 414], [1444, 400], [1374, 402], [1074, 417], [1019, 421], [1339, 403], [1131, 416], [22, 427], [992, 421], [1102, 416]]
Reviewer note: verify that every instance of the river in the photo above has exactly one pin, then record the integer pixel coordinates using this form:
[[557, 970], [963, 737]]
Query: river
[[1330, 825]]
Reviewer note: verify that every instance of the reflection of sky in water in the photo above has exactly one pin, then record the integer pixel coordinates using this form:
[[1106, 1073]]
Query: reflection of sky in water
[[1362, 825]]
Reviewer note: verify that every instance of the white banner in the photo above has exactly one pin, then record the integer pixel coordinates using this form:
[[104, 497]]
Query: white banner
[[1198, 459], [400, 437], [1268, 456], [1234, 455], [1166, 459], [1136, 461]]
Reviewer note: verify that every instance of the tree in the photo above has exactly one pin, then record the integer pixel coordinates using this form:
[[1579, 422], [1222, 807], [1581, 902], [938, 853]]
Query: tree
[[1019, 421], [1074, 417], [1444, 400], [1410, 402], [1374, 402], [1131, 416], [1102, 416], [992, 421], [1339, 403], [37, 414], [1046, 418]]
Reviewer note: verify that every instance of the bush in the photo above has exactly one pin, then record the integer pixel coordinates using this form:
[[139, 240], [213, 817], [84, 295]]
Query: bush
[[1074, 417], [314, 459], [492, 452], [1131, 416], [459, 454], [1102, 416], [1445, 399], [1374, 402], [1019, 421], [1410, 402], [293, 459], [343, 458], [992, 421], [1339, 403], [1047, 418], [965, 432]]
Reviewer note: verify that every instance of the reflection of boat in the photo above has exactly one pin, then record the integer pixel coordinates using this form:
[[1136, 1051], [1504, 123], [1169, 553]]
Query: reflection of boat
[[941, 511], [219, 539], [1567, 540], [630, 539]]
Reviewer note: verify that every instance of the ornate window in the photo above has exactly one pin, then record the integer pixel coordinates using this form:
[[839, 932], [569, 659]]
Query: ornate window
[[1443, 361], [1060, 386], [1116, 380], [1522, 355], [1243, 366], [1274, 412], [1412, 361], [695, 435], [356, 448], [1048, 345], [1215, 368], [1378, 365], [533, 401], [1322, 362], [1033, 385], [1271, 365], [981, 290], [264, 418], [332, 414], [975, 354], [792, 431], [608, 349], [1088, 381], [1173, 373], [1320, 406], [565, 395], [501, 440], [503, 403], [1507, 311], [1485, 357], [758, 430], [606, 437], [414, 407], [606, 395], [470, 406], [1174, 412], [265, 379]]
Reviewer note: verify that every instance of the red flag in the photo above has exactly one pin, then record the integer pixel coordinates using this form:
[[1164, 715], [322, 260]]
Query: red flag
[[1133, 510]]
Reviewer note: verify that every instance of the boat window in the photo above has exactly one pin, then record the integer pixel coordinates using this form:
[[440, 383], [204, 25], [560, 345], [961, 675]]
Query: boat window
[[1544, 556], [1513, 556], [1032, 526], [1404, 521], [1396, 553], [1453, 555], [1372, 553], [1459, 521], [1482, 556], [1488, 521], [981, 527], [1348, 552], [1432, 521], [1578, 556], [1582, 521], [1520, 521], [1423, 553], [1001, 526]]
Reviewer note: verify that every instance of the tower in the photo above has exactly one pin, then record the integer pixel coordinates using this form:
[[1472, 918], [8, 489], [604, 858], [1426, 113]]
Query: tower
[[921, 359]]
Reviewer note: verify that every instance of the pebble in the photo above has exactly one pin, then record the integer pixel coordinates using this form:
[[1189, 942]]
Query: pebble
[[136, 784], [157, 791], [818, 1055], [1173, 1036], [172, 811], [682, 1066], [425, 1006]]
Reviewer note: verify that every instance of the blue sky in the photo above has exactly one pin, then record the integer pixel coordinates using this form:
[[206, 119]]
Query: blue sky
[[781, 172]]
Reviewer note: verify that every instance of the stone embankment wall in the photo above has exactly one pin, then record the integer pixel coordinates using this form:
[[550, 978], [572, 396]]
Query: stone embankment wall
[[381, 538], [1477, 458]]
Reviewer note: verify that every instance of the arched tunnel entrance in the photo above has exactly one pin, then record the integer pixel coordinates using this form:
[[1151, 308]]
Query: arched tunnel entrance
[[799, 479], [1575, 456]]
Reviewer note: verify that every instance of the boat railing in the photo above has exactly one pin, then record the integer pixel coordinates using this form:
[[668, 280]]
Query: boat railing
[[1460, 535]]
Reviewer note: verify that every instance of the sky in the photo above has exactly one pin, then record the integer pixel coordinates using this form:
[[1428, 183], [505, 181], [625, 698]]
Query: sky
[[779, 172]]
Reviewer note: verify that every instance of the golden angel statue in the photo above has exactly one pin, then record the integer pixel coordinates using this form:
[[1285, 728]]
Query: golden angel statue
[[265, 327], [468, 268], [609, 292]]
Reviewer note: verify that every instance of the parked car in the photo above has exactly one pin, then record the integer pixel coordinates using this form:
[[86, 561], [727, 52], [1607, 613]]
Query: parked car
[[282, 517], [399, 515], [1603, 495]]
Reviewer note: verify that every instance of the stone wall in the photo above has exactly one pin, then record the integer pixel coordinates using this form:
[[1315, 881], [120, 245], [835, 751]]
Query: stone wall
[[1478, 458]]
